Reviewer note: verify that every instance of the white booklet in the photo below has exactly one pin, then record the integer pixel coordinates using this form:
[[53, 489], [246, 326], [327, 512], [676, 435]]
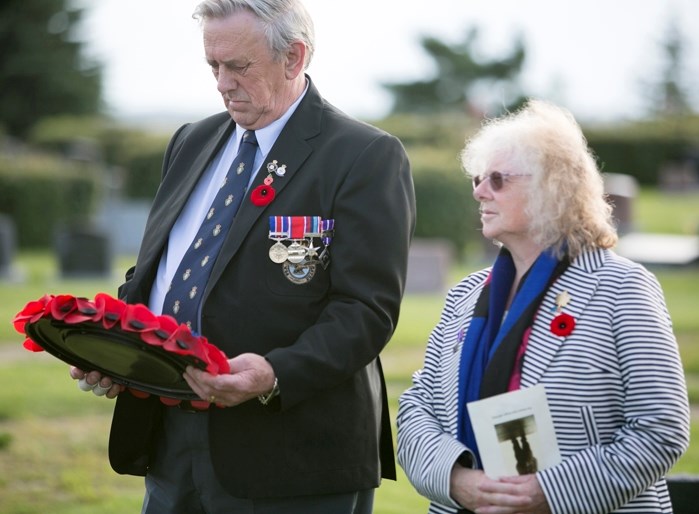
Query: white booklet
[[514, 432]]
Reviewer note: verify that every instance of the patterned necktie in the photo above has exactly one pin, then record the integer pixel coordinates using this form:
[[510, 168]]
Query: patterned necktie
[[187, 287]]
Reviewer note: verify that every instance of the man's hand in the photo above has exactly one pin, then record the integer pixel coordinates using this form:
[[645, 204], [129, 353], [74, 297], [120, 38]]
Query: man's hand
[[251, 376], [97, 383]]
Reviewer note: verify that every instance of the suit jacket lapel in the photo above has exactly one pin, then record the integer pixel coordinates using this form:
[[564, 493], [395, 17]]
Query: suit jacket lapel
[[186, 180], [172, 196], [580, 282], [290, 149]]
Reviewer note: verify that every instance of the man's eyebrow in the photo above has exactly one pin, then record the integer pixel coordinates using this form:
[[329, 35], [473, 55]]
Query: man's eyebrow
[[235, 63]]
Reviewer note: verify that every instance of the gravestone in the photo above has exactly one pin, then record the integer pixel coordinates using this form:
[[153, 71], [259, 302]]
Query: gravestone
[[83, 252], [429, 262], [124, 221], [8, 244], [679, 175], [659, 249], [621, 192]]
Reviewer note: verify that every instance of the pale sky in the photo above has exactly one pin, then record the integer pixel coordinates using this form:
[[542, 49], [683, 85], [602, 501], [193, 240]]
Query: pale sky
[[590, 56]]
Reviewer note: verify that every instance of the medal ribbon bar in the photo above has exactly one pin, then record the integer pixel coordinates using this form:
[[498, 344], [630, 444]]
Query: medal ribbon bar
[[301, 227]]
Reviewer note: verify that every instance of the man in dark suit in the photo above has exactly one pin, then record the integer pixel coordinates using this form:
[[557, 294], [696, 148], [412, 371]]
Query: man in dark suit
[[302, 423]]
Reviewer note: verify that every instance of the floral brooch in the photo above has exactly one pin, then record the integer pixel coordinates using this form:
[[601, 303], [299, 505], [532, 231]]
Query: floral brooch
[[563, 324], [264, 194]]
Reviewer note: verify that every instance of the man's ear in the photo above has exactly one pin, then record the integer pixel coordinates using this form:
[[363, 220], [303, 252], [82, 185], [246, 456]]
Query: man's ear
[[295, 60]]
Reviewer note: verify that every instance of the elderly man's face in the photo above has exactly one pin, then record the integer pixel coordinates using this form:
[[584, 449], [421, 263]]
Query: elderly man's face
[[256, 89]]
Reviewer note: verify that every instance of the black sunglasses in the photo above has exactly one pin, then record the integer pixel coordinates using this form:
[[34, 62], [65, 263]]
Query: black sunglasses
[[497, 179]]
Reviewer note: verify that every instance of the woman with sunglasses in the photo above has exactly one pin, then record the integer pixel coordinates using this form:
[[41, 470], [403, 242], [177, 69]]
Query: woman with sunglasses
[[559, 308]]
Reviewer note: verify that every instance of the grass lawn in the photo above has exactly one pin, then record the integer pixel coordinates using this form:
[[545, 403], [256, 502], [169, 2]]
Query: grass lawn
[[53, 438]]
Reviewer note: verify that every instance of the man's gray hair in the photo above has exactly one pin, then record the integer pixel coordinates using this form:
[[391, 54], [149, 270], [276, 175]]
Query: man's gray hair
[[285, 21]]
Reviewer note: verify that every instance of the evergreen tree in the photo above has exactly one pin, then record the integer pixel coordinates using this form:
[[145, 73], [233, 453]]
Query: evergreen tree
[[670, 96], [43, 71], [461, 80]]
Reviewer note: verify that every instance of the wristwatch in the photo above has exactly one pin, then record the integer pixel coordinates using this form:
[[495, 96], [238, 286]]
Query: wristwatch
[[266, 398]]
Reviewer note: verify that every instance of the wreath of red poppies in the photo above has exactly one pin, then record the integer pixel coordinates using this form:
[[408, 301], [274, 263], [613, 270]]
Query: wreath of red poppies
[[155, 330]]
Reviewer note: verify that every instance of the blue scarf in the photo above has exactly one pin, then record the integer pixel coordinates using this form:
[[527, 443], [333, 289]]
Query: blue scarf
[[487, 329]]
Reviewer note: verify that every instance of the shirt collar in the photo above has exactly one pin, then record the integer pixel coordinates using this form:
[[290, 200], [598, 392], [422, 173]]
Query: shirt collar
[[267, 136]]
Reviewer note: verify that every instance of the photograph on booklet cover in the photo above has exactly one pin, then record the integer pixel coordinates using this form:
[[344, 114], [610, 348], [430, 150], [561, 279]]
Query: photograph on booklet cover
[[514, 432]]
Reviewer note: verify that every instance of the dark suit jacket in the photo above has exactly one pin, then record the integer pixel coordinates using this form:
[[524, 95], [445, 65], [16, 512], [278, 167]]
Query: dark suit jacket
[[330, 430]]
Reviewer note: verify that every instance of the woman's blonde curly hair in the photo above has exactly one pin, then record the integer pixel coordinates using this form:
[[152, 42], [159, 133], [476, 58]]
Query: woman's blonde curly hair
[[566, 204]]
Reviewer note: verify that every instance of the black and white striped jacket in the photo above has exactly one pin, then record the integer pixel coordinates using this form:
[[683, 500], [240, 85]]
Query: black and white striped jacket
[[615, 387]]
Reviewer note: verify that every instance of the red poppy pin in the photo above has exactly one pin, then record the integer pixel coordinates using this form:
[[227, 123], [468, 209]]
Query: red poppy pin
[[264, 194], [563, 324]]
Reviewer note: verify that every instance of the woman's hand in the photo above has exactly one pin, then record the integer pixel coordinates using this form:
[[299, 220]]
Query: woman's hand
[[465, 486], [512, 495], [472, 489]]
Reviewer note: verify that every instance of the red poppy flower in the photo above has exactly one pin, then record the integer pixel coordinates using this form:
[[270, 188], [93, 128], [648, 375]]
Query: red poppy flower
[[218, 362], [84, 310], [183, 342], [262, 195], [170, 402], [199, 404], [33, 311], [166, 326], [168, 323], [110, 309], [139, 318], [563, 324], [137, 393], [32, 346], [62, 305]]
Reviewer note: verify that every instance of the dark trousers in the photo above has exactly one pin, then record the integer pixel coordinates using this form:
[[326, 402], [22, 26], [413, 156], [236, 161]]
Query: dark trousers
[[182, 480]]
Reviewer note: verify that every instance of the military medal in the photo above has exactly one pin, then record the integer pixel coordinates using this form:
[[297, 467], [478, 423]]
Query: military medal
[[294, 238], [278, 253], [296, 253], [278, 231], [299, 273], [327, 233]]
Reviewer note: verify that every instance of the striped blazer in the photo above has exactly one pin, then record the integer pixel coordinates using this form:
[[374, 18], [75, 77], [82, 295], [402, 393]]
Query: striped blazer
[[615, 387]]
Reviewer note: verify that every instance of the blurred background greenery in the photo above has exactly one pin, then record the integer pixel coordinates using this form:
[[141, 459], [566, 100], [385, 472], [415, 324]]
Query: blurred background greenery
[[63, 158]]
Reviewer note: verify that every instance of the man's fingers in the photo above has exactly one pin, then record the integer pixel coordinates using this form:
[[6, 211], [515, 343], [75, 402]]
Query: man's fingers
[[84, 385]]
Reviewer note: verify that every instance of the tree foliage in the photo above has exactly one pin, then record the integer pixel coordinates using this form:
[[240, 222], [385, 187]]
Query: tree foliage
[[43, 71], [669, 95], [463, 80]]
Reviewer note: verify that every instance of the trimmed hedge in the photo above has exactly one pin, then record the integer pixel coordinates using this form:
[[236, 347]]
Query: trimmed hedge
[[143, 172], [641, 158], [443, 195], [135, 155], [445, 207], [43, 194]]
